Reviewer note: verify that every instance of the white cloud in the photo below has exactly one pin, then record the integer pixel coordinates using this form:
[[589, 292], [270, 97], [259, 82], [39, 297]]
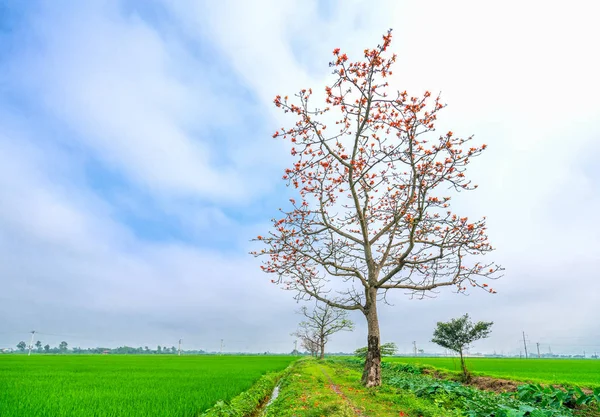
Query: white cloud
[[141, 101]]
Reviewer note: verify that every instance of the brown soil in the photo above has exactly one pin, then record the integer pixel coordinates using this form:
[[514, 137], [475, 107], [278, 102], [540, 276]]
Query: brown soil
[[489, 383], [494, 384], [482, 382], [434, 373]]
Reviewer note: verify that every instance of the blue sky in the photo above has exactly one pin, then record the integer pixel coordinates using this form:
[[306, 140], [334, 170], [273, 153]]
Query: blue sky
[[136, 161]]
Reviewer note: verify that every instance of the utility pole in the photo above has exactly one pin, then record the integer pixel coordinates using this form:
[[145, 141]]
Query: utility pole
[[415, 347], [221, 352], [31, 343], [525, 345], [538, 348], [179, 350]]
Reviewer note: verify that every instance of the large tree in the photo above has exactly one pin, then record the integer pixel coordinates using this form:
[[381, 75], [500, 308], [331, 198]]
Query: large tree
[[372, 212], [458, 334], [320, 324]]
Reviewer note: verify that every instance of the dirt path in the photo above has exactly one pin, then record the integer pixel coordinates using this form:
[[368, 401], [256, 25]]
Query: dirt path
[[339, 392]]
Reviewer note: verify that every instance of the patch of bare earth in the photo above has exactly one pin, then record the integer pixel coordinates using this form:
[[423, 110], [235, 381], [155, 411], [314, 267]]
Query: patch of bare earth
[[339, 392], [487, 383], [494, 384], [490, 383]]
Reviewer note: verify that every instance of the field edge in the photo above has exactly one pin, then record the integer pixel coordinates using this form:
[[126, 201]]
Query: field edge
[[249, 402]]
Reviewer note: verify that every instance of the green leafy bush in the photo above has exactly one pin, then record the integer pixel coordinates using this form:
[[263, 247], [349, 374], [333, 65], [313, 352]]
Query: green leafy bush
[[530, 401], [387, 349], [553, 397]]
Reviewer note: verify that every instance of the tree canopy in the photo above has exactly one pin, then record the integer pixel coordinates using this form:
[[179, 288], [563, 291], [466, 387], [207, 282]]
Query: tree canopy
[[459, 333], [372, 207]]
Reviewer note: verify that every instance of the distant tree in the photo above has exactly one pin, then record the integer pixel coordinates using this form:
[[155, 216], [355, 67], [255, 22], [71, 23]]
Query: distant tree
[[63, 346], [173, 349], [38, 345], [458, 334], [159, 349], [387, 349], [47, 348], [321, 323], [308, 341], [21, 346], [146, 349]]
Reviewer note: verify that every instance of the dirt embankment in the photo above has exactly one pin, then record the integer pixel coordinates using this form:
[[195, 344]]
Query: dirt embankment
[[494, 384], [490, 383], [482, 382]]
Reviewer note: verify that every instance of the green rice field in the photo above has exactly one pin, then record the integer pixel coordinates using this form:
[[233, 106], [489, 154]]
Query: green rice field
[[581, 372], [111, 385]]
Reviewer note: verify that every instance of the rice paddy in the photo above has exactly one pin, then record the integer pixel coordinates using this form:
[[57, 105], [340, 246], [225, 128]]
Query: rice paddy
[[140, 385], [581, 372]]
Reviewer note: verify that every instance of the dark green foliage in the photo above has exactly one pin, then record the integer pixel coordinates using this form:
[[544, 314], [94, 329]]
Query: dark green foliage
[[473, 402], [403, 367], [458, 334], [531, 400], [553, 397], [387, 349]]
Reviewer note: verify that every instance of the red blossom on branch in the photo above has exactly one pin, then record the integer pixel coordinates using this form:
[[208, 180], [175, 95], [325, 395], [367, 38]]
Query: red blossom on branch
[[374, 194]]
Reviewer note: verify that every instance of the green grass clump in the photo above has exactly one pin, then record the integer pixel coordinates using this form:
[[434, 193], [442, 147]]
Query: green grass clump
[[580, 372], [56, 386]]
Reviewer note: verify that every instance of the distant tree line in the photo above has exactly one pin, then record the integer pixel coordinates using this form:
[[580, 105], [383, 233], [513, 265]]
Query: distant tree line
[[63, 348]]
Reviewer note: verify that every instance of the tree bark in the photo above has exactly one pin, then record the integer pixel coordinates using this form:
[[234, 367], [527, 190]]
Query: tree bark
[[322, 348], [372, 373], [464, 367]]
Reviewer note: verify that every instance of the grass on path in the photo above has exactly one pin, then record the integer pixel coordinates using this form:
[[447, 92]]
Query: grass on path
[[331, 389]]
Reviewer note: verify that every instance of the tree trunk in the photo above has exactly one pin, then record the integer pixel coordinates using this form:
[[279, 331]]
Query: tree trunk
[[464, 367], [372, 373], [322, 348]]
